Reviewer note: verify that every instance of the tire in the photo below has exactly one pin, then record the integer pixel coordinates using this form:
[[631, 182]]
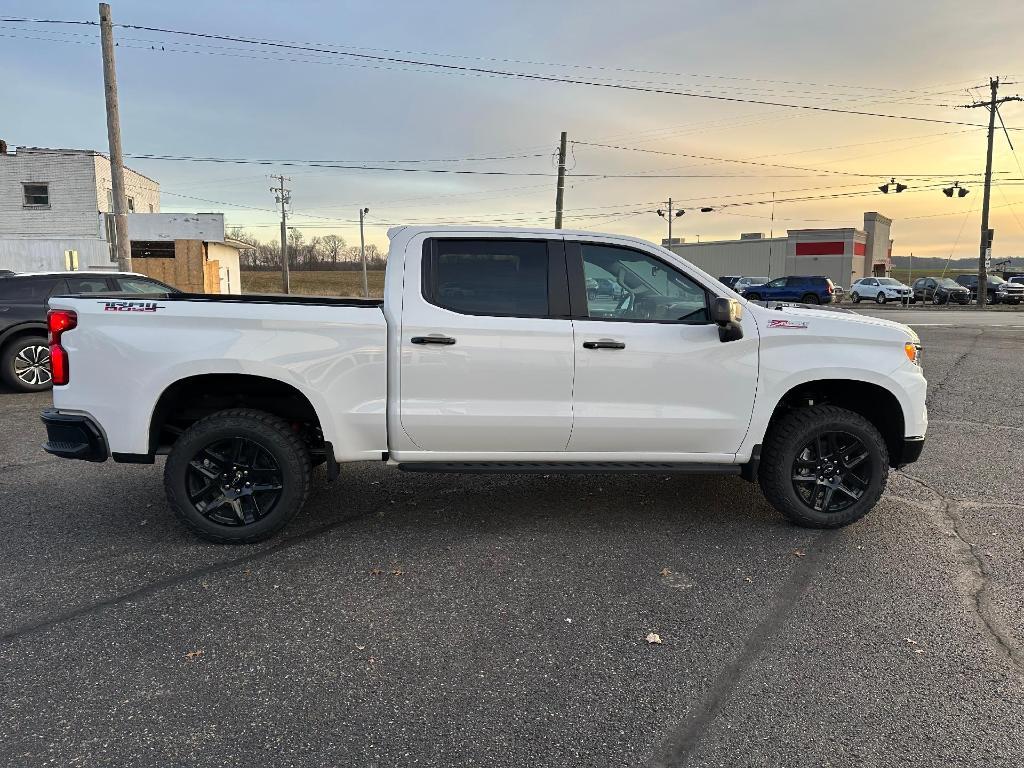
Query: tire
[[810, 298], [855, 298], [278, 460], [880, 298], [936, 299], [787, 453], [752, 296], [25, 364]]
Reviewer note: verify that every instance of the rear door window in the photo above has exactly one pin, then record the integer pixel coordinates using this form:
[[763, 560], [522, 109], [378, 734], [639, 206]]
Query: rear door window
[[27, 290], [488, 277], [140, 285], [90, 284]]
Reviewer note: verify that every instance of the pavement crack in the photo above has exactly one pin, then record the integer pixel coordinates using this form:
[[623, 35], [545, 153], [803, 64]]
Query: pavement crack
[[978, 573], [680, 746], [937, 387]]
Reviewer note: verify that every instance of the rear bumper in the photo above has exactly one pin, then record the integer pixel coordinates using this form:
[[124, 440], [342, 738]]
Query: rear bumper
[[73, 436]]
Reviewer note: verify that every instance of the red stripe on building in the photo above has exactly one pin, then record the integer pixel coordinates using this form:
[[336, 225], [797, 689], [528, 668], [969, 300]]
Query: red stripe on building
[[858, 249], [829, 248]]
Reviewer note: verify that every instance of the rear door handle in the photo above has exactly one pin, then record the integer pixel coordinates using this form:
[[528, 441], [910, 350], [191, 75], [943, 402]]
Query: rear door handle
[[604, 344], [433, 339]]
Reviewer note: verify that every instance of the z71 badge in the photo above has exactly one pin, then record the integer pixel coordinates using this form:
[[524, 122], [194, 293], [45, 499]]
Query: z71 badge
[[786, 324], [131, 306]]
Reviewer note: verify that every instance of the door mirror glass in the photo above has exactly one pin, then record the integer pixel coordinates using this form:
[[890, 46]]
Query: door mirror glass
[[727, 313]]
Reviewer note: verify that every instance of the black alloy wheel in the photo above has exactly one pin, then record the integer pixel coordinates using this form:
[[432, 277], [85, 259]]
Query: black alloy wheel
[[811, 298], [234, 481], [832, 472]]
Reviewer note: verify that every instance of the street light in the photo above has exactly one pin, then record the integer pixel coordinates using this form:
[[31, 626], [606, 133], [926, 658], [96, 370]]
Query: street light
[[884, 189], [960, 191]]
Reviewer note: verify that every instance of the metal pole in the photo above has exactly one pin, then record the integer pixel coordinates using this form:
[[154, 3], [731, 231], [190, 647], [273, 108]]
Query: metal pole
[[560, 192], [286, 280], [986, 243], [362, 252], [121, 241]]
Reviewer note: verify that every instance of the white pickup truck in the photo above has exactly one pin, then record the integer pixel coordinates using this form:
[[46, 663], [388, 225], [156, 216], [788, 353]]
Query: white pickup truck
[[503, 350]]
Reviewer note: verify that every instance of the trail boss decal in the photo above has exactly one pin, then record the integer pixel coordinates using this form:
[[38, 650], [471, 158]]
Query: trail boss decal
[[131, 306], [786, 324]]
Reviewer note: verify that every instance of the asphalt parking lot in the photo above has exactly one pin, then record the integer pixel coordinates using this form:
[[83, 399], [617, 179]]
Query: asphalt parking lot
[[409, 619]]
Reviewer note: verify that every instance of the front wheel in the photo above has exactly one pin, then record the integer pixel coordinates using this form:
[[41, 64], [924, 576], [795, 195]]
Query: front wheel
[[880, 298], [25, 364], [237, 476], [855, 297], [936, 299], [823, 466]]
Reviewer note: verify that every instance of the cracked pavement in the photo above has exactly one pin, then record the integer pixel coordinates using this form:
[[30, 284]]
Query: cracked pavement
[[435, 620]]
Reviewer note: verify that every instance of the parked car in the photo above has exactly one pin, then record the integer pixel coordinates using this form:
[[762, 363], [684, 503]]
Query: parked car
[[1019, 279], [24, 354], [939, 290], [745, 282], [839, 293], [729, 280], [485, 354], [806, 290], [999, 291], [880, 289]]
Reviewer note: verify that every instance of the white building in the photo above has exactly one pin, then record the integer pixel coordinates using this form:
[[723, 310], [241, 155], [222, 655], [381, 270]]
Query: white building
[[54, 215], [843, 254]]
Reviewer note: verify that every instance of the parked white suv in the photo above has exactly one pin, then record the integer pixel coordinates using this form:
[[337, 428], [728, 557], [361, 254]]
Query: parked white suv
[[881, 289], [488, 353]]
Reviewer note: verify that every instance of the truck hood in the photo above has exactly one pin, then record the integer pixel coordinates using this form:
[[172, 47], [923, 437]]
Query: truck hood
[[827, 322]]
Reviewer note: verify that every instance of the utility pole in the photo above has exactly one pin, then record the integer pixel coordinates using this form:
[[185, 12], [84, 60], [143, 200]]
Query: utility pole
[[120, 199], [560, 193], [669, 215], [992, 105], [362, 252], [283, 196]]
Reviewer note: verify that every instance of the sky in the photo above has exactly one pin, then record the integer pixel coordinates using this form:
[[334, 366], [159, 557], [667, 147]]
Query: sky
[[201, 97]]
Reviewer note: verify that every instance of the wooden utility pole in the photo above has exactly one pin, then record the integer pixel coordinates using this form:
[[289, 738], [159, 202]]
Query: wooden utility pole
[[985, 251], [560, 193], [121, 242], [283, 196]]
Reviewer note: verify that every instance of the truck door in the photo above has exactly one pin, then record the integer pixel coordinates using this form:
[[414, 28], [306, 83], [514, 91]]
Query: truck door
[[486, 346], [652, 376]]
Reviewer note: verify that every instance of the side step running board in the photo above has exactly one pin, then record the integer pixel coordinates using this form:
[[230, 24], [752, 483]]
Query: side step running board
[[562, 467]]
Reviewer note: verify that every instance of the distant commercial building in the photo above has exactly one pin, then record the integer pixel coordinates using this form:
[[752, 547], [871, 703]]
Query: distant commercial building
[[55, 214], [843, 254]]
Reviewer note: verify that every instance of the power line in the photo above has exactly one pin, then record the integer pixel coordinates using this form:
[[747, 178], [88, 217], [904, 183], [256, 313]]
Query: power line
[[532, 76]]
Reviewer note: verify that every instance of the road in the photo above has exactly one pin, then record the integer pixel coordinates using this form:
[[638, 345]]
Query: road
[[430, 620]]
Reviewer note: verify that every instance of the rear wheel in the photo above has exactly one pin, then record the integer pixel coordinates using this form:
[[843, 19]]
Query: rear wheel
[[25, 364], [237, 476], [810, 298], [823, 467]]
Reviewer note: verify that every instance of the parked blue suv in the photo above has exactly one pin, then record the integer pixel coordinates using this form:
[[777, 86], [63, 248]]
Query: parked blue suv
[[805, 290]]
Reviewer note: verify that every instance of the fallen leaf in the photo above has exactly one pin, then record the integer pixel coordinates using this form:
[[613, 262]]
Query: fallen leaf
[[666, 571], [376, 572], [919, 650], [194, 654], [654, 638], [361, 647], [748, 579], [799, 553], [912, 642], [397, 572]]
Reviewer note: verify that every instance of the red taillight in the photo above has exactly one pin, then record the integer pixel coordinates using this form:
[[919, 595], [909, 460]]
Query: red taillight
[[58, 321]]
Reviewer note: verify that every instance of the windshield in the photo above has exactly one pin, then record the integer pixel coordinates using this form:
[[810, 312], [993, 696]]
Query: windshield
[[888, 281], [947, 282], [995, 280]]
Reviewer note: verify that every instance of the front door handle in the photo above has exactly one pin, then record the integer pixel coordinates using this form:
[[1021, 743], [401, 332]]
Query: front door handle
[[434, 339], [604, 344]]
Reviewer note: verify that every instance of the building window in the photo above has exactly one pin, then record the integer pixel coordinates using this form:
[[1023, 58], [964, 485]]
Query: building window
[[110, 201], [131, 205], [150, 249], [37, 195], [150, 207]]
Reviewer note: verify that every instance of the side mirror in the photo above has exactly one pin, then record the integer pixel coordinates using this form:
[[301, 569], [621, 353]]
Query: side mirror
[[726, 314]]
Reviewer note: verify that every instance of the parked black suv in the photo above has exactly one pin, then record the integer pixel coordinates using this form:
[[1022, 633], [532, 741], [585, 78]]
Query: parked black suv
[[999, 291], [24, 349], [939, 290]]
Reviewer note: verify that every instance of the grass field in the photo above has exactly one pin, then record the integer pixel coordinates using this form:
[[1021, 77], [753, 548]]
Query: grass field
[[327, 283]]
